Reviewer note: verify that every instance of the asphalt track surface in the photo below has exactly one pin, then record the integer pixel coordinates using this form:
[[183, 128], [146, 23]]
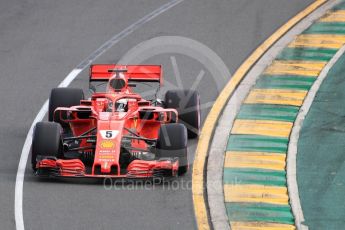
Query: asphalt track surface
[[42, 41]]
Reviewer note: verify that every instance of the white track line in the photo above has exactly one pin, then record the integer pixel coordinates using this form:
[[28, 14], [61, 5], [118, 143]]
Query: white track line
[[18, 198]]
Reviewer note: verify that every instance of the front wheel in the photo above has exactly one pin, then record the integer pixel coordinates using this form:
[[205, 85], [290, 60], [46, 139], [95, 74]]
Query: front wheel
[[172, 143], [46, 141]]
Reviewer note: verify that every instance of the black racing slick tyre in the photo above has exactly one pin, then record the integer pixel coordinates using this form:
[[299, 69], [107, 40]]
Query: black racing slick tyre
[[172, 143], [187, 104], [63, 97], [46, 141]]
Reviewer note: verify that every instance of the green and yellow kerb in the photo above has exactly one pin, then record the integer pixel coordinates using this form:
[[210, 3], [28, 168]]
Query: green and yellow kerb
[[255, 187]]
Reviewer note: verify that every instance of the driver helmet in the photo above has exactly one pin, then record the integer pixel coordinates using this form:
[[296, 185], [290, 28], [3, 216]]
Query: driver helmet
[[121, 105]]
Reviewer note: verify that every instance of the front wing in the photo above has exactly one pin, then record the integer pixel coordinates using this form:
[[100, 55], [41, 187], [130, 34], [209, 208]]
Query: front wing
[[51, 167]]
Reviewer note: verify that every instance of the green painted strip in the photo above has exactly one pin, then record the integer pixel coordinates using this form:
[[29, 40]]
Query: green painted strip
[[254, 176], [340, 7], [285, 82], [307, 54], [268, 112], [257, 143], [326, 28], [259, 212]]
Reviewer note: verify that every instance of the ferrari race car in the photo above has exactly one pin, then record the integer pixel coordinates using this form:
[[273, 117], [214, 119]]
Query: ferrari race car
[[116, 133]]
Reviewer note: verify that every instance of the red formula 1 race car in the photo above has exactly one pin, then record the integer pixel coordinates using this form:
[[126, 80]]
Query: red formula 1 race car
[[116, 133]]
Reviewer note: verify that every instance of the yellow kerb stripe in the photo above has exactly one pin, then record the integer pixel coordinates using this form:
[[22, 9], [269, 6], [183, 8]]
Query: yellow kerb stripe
[[262, 127], [260, 226], [259, 160], [334, 16], [305, 68], [256, 194], [328, 41], [276, 96]]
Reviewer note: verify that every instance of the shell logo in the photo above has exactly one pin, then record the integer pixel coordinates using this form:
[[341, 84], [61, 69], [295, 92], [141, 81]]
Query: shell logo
[[107, 144]]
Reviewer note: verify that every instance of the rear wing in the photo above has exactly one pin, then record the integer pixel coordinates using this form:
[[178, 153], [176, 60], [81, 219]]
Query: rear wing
[[139, 73]]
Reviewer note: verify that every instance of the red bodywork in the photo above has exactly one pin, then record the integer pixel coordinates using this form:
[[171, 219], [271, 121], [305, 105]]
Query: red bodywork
[[101, 132]]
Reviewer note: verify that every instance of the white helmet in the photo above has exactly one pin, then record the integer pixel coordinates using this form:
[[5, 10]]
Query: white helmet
[[121, 105]]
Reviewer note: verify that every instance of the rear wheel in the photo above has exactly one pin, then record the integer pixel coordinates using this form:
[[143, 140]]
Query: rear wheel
[[187, 104], [171, 143], [63, 97], [46, 141]]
